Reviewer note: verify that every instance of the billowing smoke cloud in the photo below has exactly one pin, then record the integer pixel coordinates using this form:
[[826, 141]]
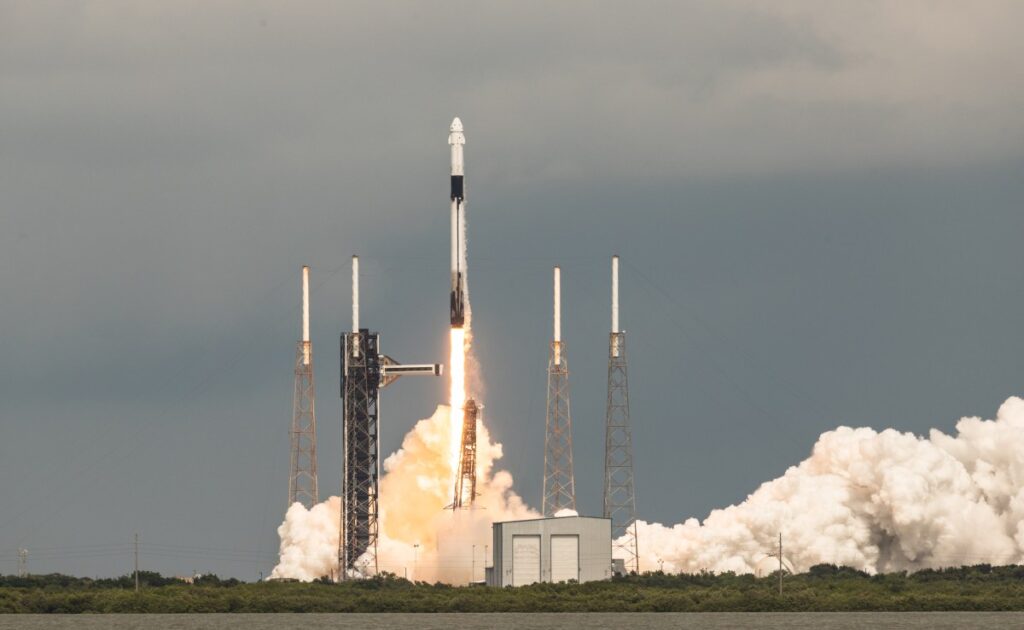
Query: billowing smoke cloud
[[419, 538], [874, 501], [309, 541]]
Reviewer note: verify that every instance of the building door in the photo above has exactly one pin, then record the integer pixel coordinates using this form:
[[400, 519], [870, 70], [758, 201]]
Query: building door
[[565, 558], [525, 560]]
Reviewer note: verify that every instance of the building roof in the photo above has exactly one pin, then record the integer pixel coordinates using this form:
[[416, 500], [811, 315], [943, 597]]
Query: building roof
[[551, 518]]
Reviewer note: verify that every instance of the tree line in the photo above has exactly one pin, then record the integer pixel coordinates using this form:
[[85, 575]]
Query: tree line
[[822, 588]]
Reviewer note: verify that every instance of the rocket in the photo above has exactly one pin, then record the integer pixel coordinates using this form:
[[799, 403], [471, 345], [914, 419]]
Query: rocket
[[457, 140]]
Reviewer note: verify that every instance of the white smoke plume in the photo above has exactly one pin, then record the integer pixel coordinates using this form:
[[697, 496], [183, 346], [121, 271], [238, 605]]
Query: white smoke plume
[[877, 502], [309, 541], [419, 538]]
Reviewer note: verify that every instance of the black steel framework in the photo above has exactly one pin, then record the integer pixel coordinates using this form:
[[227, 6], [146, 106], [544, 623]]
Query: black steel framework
[[364, 372], [619, 491], [360, 390], [559, 481]]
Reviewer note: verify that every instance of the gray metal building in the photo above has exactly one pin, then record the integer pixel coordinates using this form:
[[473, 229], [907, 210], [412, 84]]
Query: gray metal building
[[551, 550]]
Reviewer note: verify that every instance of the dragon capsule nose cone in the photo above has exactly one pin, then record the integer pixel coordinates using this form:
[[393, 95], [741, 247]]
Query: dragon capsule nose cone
[[456, 125]]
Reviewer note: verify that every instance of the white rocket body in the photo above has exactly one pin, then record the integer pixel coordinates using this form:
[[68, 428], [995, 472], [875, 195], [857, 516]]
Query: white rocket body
[[457, 140]]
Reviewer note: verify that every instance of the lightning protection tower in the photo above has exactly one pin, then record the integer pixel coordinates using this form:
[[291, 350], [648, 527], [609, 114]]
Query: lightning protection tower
[[364, 372], [302, 485], [619, 493], [559, 484], [465, 477]]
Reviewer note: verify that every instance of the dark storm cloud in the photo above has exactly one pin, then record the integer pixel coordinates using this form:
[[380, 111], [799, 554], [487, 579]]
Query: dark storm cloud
[[817, 203]]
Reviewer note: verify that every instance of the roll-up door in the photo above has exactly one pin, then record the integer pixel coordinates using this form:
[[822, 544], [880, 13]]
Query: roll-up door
[[565, 558], [525, 560]]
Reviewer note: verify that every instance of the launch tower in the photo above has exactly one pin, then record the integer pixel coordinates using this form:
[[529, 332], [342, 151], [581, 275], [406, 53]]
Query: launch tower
[[364, 372], [302, 484], [619, 493], [559, 484], [465, 476]]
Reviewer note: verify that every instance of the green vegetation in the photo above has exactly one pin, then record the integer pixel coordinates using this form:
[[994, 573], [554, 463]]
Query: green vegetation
[[823, 588]]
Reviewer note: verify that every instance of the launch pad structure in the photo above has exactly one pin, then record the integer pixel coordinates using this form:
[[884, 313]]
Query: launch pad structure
[[302, 480], [465, 476], [364, 372], [559, 481], [619, 490]]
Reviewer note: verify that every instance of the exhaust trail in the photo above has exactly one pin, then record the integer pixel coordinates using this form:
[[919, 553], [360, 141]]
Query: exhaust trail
[[875, 501]]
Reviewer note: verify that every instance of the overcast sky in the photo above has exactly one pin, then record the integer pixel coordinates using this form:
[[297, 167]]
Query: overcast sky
[[819, 208]]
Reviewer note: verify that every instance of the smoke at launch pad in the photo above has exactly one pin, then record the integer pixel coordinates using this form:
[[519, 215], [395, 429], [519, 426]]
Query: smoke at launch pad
[[874, 501]]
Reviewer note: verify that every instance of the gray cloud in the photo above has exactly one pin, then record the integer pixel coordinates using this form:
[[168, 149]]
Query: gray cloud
[[818, 203]]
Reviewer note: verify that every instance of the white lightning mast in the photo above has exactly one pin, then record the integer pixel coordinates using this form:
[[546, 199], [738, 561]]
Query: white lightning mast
[[302, 485], [619, 492], [559, 482]]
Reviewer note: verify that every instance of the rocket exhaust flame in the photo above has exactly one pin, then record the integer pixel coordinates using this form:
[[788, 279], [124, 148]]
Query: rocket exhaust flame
[[419, 538], [457, 392]]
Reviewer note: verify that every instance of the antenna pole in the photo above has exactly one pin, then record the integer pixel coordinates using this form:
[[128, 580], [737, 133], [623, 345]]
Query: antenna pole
[[558, 315], [615, 294], [305, 314], [136, 562], [780, 563], [355, 294]]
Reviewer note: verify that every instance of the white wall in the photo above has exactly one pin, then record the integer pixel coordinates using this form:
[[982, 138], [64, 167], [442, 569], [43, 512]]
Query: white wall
[[594, 547]]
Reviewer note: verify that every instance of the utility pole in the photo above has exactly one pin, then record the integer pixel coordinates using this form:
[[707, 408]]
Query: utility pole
[[780, 563], [619, 491], [559, 483], [136, 563], [472, 570], [23, 562], [778, 554], [415, 564]]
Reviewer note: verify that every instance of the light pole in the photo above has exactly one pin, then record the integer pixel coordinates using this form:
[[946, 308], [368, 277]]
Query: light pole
[[415, 550], [472, 566]]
